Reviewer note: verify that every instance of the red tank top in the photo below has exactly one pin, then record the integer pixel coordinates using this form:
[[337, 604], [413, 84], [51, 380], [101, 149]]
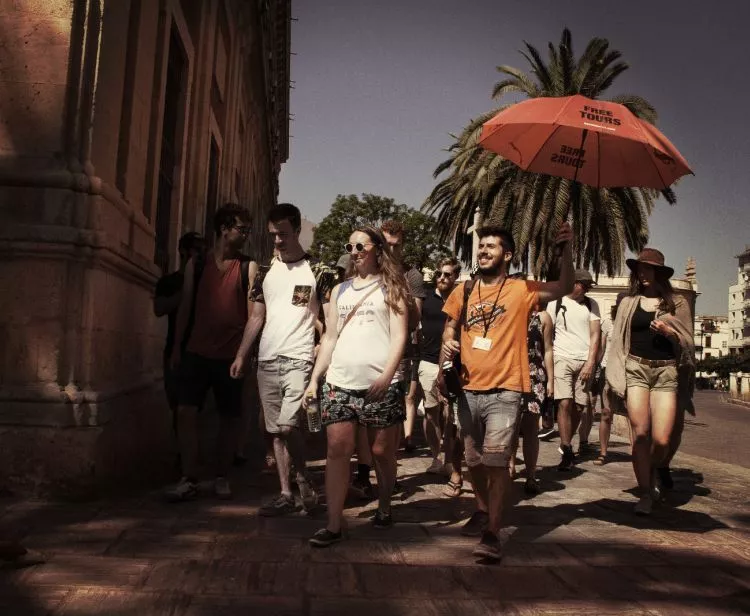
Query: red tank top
[[220, 312]]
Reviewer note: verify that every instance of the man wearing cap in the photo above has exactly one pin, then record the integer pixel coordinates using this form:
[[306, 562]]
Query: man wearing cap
[[577, 335]]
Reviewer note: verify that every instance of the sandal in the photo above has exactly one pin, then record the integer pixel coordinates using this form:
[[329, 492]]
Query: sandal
[[600, 460], [453, 489]]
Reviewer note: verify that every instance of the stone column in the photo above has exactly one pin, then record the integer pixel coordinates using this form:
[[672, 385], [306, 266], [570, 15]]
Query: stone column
[[79, 392]]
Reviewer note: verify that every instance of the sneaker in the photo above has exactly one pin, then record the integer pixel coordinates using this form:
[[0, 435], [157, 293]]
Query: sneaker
[[185, 489], [308, 494], [281, 505], [644, 505], [363, 488], [568, 459], [476, 525], [532, 487], [489, 547], [547, 433], [409, 446], [324, 537], [222, 489], [665, 478], [436, 468], [382, 520]]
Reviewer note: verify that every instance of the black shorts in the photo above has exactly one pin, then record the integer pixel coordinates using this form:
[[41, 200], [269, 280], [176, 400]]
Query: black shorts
[[198, 374]]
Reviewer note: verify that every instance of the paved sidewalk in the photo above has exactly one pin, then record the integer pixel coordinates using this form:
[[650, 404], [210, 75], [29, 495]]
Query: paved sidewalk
[[576, 549]]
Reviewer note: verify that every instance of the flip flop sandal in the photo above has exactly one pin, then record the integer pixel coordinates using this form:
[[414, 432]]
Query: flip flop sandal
[[453, 489], [600, 461]]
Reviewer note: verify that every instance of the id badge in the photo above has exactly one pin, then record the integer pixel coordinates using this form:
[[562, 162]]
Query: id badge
[[482, 344]]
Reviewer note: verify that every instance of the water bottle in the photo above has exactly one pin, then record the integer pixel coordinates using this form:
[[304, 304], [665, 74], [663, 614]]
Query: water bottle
[[452, 381], [313, 414]]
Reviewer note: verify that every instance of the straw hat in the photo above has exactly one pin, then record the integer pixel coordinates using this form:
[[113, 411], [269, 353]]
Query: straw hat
[[653, 257]]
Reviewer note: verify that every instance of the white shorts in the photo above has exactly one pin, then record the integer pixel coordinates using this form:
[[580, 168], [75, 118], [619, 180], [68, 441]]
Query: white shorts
[[428, 374]]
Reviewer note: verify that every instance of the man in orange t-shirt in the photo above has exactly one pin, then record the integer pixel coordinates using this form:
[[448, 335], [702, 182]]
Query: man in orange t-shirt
[[495, 369]]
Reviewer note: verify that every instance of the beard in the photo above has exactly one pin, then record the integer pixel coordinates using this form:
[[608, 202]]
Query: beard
[[495, 268]]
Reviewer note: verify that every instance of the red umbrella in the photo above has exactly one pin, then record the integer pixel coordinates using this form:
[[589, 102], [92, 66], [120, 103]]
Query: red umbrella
[[593, 142]]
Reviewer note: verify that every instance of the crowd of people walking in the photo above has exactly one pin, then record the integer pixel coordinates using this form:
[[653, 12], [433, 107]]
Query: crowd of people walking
[[494, 359]]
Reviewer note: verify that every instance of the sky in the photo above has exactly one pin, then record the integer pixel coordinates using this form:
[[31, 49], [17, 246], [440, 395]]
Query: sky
[[380, 84]]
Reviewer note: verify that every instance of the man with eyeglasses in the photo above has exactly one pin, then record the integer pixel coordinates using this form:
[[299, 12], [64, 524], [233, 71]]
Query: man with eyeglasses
[[577, 334], [286, 299], [433, 323], [213, 312]]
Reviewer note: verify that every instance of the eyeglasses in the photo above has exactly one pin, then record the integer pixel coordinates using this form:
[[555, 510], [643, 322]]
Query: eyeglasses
[[243, 229], [360, 246], [445, 275]]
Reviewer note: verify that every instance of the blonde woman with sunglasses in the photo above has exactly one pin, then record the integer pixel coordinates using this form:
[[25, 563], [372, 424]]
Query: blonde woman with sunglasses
[[366, 331]]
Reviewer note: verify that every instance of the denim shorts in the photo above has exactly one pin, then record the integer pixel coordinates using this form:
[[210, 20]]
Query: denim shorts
[[281, 385], [489, 424]]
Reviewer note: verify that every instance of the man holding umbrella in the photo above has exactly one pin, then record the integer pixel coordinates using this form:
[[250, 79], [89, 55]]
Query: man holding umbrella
[[487, 323]]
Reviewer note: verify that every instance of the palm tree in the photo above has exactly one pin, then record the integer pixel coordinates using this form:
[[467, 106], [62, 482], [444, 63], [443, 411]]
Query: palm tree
[[531, 205]]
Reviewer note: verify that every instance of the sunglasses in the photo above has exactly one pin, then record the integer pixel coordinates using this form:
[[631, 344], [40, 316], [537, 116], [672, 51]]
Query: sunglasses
[[445, 275], [359, 246]]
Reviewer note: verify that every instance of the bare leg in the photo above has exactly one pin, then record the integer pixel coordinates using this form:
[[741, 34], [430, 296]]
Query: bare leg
[[225, 444], [432, 431], [479, 481], [663, 413], [187, 436], [283, 463], [383, 446], [341, 439], [587, 420], [295, 446], [640, 420], [676, 439], [605, 423], [530, 432], [498, 488], [567, 420], [411, 410]]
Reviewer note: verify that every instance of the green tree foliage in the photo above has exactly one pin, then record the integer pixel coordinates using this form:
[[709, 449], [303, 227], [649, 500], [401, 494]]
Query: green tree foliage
[[723, 366], [533, 206], [421, 245]]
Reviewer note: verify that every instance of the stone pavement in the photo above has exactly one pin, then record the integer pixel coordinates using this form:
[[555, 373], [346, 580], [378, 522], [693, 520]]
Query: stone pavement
[[576, 549]]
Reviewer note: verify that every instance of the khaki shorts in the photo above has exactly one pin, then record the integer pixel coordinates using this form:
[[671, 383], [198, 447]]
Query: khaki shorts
[[428, 374], [653, 378], [281, 384], [567, 381]]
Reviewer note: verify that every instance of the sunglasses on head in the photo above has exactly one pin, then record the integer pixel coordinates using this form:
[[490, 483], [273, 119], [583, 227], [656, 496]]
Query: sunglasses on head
[[359, 246]]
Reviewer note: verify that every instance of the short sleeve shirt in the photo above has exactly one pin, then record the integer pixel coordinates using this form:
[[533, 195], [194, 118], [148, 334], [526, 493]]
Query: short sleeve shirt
[[293, 294], [572, 326], [433, 323], [504, 313]]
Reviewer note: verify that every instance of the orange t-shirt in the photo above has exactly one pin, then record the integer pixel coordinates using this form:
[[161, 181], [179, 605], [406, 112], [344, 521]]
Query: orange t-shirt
[[506, 364]]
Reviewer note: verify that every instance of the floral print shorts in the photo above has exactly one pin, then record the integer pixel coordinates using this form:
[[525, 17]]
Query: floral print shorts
[[338, 404]]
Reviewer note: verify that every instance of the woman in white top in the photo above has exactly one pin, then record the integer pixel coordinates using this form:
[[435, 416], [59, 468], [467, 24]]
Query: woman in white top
[[360, 353]]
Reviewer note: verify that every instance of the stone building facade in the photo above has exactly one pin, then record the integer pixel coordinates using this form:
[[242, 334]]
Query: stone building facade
[[123, 123], [739, 306]]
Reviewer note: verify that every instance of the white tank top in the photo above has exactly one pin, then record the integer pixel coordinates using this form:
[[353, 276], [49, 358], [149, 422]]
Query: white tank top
[[362, 347]]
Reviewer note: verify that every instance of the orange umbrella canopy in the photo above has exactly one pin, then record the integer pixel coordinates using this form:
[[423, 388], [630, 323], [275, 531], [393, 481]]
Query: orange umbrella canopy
[[598, 143]]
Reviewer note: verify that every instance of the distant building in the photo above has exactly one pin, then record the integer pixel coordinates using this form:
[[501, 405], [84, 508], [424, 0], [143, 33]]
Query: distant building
[[739, 306], [711, 336]]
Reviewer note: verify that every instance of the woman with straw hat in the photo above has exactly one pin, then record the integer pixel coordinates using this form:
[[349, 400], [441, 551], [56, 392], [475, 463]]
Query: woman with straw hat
[[652, 343]]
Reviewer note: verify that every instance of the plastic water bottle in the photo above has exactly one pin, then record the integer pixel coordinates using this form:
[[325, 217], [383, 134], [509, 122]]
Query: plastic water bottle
[[313, 414]]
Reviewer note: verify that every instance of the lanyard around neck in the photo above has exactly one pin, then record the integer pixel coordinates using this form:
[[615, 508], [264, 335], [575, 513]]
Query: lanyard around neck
[[487, 323]]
